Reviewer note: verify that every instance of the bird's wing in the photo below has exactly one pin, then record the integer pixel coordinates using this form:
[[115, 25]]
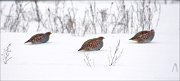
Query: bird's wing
[[143, 35], [87, 43], [37, 37], [93, 43], [139, 35]]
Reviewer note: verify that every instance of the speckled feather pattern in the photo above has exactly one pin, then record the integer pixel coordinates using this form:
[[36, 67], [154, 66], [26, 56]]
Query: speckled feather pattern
[[92, 44], [144, 36], [39, 38]]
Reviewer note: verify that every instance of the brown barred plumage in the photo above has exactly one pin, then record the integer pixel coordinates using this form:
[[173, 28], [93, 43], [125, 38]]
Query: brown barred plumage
[[144, 36], [92, 44], [39, 38]]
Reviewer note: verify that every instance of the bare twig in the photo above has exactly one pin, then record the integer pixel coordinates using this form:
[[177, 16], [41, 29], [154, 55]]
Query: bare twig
[[158, 15], [103, 20], [93, 16], [175, 67], [113, 58], [88, 61], [37, 14], [118, 18], [6, 54]]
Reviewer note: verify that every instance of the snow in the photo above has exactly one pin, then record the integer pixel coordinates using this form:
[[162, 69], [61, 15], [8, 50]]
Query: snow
[[59, 59]]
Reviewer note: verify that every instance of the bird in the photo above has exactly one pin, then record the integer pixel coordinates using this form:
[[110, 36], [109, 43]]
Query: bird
[[144, 36], [93, 44], [39, 38]]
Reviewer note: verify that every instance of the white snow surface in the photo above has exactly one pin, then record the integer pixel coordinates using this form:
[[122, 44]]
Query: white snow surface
[[59, 59]]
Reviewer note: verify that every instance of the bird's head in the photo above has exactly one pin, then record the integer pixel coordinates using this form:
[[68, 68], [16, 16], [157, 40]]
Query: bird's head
[[152, 30], [101, 38], [48, 33]]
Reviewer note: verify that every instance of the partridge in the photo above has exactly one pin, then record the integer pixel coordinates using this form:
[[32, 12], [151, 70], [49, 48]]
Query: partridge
[[39, 38], [92, 44], [144, 36]]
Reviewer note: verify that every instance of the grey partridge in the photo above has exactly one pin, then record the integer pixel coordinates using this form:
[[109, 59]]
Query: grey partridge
[[144, 36], [94, 44], [39, 38]]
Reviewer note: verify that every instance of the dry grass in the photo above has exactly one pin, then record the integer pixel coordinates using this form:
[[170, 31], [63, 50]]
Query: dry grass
[[118, 18], [5, 56]]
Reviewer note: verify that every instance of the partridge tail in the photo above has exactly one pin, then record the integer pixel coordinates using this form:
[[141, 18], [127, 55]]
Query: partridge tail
[[132, 38], [27, 41], [80, 49]]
